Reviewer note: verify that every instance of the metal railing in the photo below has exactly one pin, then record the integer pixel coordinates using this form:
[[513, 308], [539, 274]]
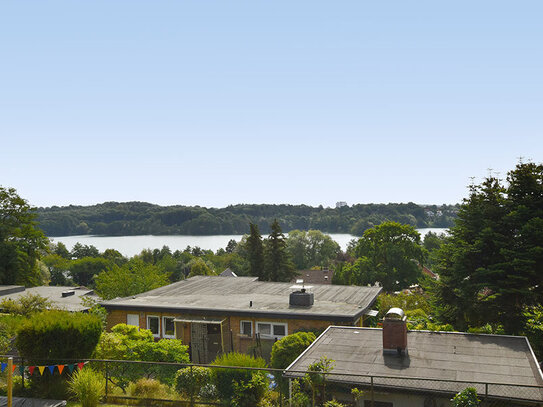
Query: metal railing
[[118, 375]]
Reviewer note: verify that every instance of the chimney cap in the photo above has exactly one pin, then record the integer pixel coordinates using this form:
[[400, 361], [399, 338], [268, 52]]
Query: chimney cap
[[395, 313]]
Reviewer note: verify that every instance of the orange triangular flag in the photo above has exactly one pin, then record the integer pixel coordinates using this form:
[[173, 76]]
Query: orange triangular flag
[[41, 369], [13, 368], [60, 368]]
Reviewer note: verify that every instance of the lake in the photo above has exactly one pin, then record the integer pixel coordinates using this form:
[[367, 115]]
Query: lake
[[132, 245]]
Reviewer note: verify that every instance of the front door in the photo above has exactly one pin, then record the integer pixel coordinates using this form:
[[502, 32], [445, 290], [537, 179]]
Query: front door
[[214, 343]]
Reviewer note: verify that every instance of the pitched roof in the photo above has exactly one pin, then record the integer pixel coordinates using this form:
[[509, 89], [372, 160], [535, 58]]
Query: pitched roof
[[213, 295], [228, 273], [451, 358]]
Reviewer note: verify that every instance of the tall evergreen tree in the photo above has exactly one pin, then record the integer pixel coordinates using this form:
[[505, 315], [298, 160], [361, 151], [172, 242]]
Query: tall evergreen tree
[[255, 252], [278, 266], [491, 266]]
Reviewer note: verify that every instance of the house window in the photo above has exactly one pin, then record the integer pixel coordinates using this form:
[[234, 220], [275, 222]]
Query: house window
[[133, 319], [153, 324], [269, 330], [168, 327], [246, 328]]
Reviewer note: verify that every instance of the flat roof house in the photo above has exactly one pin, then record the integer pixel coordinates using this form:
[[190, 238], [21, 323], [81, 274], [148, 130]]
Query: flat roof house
[[66, 298], [397, 367], [215, 314]]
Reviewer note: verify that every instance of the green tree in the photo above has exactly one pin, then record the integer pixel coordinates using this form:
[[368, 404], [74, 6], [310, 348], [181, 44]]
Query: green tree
[[83, 270], [80, 251], [255, 252], [466, 398], [129, 279], [57, 266], [389, 254], [277, 264], [20, 240], [491, 265], [198, 267]]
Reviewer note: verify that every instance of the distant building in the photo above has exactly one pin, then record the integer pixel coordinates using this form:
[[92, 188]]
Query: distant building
[[66, 298], [228, 273], [341, 204]]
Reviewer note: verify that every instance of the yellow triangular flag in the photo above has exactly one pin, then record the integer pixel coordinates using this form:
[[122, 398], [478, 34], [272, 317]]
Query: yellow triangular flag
[[41, 369]]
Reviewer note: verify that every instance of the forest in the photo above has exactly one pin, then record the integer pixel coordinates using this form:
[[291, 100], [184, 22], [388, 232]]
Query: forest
[[140, 218]]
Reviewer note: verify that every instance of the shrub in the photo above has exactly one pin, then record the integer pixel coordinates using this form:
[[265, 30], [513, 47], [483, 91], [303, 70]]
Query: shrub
[[149, 389], [333, 403], [25, 305], [466, 398], [58, 335], [240, 386], [189, 381], [87, 385], [286, 350]]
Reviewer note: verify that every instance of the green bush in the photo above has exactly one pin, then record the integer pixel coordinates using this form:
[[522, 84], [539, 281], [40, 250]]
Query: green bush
[[146, 388], [238, 386], [333, 403], [191, 381], [286, 350], [466, 398], [58, 335], [25, 305], [87, 386]]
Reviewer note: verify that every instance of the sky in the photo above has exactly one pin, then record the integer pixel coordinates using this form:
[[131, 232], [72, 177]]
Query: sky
[[214, 103]]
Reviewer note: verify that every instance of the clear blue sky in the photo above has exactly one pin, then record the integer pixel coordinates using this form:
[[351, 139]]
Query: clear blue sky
[[220, 102]]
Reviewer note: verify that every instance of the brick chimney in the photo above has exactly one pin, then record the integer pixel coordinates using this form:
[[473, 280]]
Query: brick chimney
[[395, 332]]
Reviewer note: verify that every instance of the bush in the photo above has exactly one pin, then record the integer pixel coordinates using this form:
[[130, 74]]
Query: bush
[[189, 381], [238, 386], [87, 385], [25, 305], [286, 350], [58, 335], [466, 398], [149, 389]]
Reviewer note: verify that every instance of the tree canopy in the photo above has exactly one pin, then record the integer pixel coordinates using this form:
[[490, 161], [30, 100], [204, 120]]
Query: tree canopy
[[389, 254], [20, 240], [491, 265]]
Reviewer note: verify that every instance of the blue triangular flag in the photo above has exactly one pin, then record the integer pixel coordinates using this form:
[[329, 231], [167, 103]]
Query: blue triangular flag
[[3, 366], [51, 368]]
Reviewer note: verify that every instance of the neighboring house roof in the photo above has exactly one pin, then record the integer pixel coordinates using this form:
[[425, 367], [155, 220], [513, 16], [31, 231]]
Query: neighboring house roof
[[315, 276], [430, 273], [243, 296], [60, 297], [448, 357], [228, 273]]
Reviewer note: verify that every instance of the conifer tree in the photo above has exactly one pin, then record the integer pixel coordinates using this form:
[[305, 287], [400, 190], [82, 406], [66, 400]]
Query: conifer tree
[[278, 266], [255, 252]]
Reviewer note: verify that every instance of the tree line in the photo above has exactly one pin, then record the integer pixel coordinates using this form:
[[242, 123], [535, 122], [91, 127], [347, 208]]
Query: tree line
[[139, 218]]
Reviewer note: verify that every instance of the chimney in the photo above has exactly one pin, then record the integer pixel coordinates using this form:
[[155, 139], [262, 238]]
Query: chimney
[[395, 332]]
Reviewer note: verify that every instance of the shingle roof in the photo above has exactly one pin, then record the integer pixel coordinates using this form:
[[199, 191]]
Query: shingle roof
[[246, 296], [448, 357], [315, 276]]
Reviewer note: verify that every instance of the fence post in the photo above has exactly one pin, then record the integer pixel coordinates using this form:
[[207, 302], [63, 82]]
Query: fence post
[[191, 387], [23, 373], [372, 398], [486, 392], [290, 392], [107, 378], [10, 381]]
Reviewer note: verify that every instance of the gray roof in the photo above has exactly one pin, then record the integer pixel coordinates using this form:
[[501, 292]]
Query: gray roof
[[53, 293], [228, 273], [212, 295], [454, 360]]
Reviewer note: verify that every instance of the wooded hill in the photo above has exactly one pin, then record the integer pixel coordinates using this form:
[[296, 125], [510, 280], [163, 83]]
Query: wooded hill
[[140, 218]]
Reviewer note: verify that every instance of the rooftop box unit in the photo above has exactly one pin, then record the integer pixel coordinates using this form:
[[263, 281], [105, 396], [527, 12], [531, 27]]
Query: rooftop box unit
[[301, 296]]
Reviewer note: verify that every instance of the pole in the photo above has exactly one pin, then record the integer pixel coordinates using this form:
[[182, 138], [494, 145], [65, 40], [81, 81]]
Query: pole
[[290, 392], [372, 399], [10, 382], [191, 387], [107, 379]]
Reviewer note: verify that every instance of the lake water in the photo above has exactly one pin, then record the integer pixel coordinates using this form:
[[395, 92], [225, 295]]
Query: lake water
[[132, 245]]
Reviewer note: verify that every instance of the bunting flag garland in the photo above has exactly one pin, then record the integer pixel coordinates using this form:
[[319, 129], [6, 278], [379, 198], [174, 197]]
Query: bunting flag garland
[[51, 368], [41, 369], [80, 365], [71, 368], [60, 368], [3, 366], [13, 368], [31, 370]]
